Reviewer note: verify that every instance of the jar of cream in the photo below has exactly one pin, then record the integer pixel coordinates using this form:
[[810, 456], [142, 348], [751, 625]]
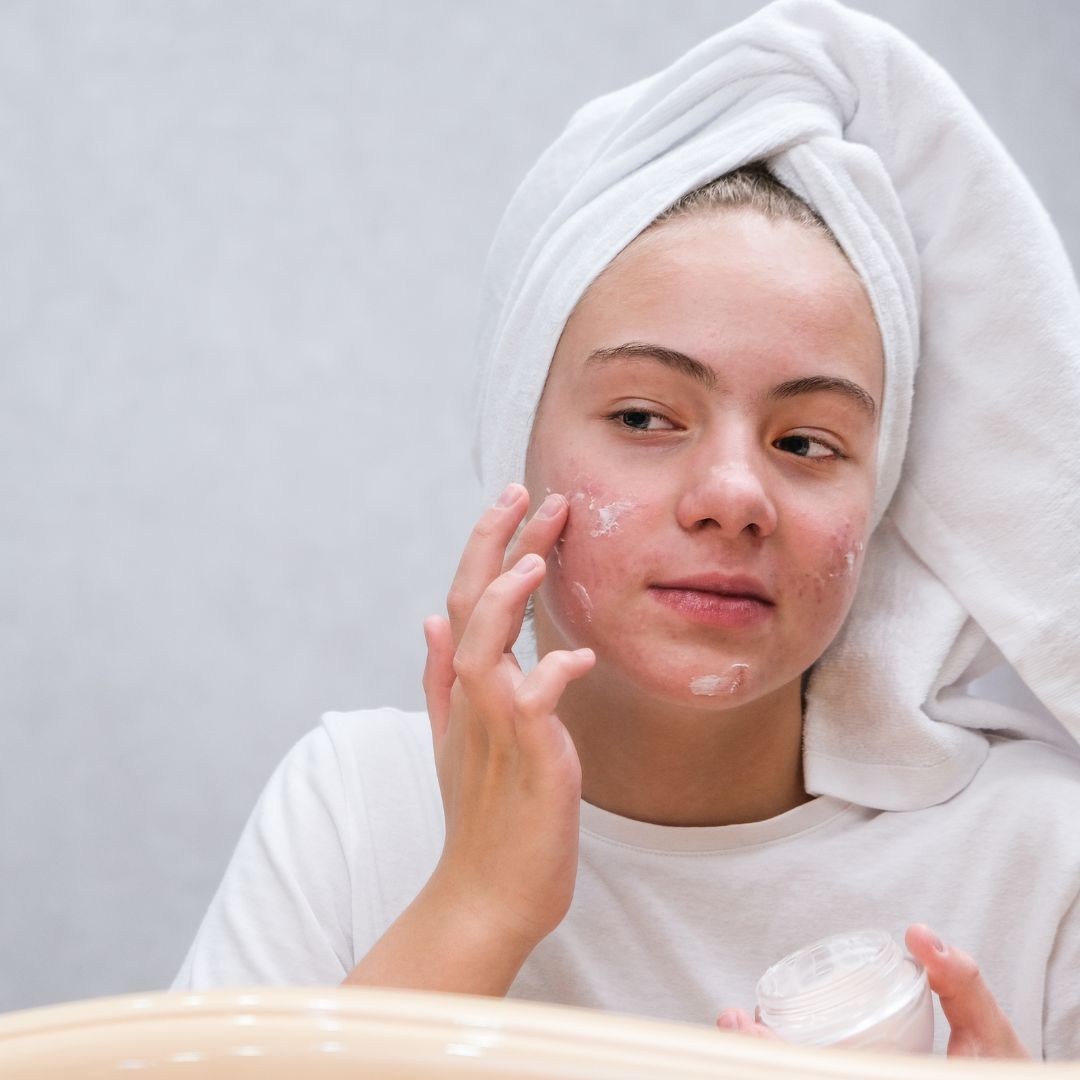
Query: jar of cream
[[858, 990]]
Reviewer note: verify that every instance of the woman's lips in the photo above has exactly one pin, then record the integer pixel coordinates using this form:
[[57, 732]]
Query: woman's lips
[[721, 609]]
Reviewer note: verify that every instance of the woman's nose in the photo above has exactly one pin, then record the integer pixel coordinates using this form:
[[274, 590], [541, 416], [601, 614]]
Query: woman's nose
[[727, 492]]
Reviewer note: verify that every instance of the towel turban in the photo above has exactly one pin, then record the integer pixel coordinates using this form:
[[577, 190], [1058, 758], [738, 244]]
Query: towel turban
[[976, 553]]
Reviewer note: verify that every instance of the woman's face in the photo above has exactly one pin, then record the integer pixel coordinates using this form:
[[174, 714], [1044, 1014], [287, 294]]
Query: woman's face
[[711, 416]]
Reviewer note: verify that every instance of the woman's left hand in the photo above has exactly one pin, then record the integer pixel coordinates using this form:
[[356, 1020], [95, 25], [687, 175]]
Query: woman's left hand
[[978, 1027]]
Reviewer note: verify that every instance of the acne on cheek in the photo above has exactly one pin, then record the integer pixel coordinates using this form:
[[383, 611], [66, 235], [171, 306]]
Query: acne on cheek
[[847, 550], [581, 561], [837, 575]]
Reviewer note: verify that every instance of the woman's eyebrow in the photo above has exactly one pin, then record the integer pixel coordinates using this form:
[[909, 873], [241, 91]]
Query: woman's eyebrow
[[812, 384], [702, 373], [640, 350]]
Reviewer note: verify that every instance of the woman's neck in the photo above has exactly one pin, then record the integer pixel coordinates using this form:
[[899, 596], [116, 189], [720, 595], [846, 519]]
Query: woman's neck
[[663, 763]]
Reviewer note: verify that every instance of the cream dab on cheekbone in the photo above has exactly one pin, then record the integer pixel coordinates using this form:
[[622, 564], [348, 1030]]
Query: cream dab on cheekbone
[[607, 517], [712, 685], [851, 555], [850, 558]]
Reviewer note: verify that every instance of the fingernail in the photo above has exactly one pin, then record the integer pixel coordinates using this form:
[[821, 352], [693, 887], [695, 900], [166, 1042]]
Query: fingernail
[[937, 943], [527, 564], [728, 1021], [550, 506], [508, 497]]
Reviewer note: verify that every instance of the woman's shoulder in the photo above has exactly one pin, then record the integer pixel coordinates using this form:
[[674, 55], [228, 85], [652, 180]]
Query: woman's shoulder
[[378, 747], [1020, 807], [346, 744], [1042, 770], [374, 730], [366, 758], [1033, 788]]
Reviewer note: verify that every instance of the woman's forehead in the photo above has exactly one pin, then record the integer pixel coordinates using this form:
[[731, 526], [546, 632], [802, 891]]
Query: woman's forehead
[[736, 247], [731, 285]]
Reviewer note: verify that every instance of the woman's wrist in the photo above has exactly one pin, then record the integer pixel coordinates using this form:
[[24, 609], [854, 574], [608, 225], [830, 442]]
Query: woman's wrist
[[448, 943], [481, 920]]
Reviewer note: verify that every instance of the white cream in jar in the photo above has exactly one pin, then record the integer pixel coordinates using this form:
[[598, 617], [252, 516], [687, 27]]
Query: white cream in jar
[[858, 990]]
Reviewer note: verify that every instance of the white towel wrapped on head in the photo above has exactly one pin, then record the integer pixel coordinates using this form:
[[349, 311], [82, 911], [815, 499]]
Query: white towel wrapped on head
[[977, 547]]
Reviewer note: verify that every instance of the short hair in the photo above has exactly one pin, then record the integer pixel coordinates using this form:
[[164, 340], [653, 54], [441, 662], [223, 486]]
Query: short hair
[[750, 187]]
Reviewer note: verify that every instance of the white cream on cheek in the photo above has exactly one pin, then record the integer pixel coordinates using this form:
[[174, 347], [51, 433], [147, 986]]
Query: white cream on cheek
[[581, 560], [583, 598], [851, 557], [832, 577], [601, 513], [607, 516]]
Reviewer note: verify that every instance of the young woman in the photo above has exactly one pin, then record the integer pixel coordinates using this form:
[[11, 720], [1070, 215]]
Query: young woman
[[705, 389]]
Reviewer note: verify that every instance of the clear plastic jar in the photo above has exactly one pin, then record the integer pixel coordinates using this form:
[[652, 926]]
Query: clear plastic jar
[[856, 990]]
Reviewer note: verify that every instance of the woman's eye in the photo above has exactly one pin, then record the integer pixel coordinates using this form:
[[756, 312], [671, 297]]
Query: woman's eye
[[807, 446], [642, 420]]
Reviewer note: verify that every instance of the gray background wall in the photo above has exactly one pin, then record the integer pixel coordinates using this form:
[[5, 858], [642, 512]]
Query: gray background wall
[[240, 245]]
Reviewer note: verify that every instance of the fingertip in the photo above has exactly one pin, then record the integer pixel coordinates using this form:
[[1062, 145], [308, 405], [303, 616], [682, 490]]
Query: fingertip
[[740, 1020], [511, 494], [728, 1020], [580, 662], [528, 564], [553, 505], [922, 942]]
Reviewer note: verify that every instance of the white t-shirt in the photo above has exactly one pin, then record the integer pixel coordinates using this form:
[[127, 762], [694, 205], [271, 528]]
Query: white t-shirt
[[675, 923]]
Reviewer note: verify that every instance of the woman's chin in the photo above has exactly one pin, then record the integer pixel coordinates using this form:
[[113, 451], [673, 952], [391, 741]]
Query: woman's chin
[[712, 685]]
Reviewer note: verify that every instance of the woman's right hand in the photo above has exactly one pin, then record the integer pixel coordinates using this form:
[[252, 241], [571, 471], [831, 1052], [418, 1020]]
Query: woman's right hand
[[508, 771]]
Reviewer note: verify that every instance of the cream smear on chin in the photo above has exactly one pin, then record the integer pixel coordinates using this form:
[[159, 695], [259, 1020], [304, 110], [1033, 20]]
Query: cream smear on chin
[[711, 685]]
